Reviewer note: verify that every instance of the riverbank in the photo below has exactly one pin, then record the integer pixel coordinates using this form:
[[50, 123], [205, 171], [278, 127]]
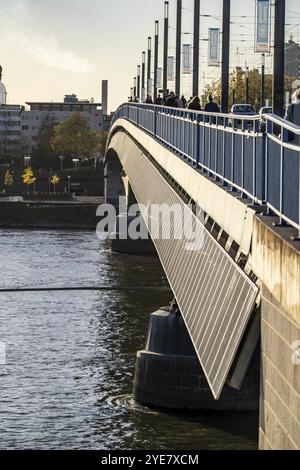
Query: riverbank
[[26, 213]]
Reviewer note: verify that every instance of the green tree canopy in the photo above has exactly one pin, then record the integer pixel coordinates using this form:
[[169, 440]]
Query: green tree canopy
[[239, 76], [73, 139], [43, 155]]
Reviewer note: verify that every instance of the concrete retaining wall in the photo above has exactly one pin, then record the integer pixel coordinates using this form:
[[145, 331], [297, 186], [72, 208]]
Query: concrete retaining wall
[[277, 263]]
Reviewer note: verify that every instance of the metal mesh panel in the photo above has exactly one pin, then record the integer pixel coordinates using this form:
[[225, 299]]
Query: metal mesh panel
[[215, 296]]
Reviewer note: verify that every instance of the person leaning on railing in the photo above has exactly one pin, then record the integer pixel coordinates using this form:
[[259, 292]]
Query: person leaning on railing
[[195, 104], [211, 106], [171, 100], [293, 113]]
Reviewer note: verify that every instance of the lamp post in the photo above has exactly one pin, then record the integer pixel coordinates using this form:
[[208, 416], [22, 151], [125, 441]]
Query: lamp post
[[279, 56], [166, 47], [149, 66], [196, 50], [178, 47], [143, 75], [233, 91], [69, 185], [156, 58], [225, 55], [27, 159], [263, 67], [75, 161], [61, 158], [247, 85], [138, 82]]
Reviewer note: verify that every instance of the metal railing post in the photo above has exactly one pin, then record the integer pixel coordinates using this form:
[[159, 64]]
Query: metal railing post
[[224, 148], [254, 170], [281, 174], [232, 157], [299, 198], [155, 120], [216, 151], [209, 143], [268, 131], [198, 128]]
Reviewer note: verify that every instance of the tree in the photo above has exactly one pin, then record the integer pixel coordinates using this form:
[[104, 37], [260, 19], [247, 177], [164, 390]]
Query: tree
[[74, 140], [102, 142], [8, 179], [43, 156], [28, 178], [55, 180], [238, 75]]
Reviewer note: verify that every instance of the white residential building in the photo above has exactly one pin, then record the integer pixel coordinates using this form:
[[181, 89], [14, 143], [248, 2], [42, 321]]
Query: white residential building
[[32, 119]]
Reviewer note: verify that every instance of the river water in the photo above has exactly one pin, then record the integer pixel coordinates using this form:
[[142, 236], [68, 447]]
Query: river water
[[70, 356]]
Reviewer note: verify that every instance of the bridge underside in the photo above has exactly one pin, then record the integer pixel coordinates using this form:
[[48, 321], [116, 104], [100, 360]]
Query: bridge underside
[[215, 296]]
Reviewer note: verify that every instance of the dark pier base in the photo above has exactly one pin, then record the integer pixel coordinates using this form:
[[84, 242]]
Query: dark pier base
[[123, 243], [169, 375]]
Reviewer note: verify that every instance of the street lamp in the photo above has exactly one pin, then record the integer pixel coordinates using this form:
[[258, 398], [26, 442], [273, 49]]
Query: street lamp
[[134, 88], [166, 48], [247, 86], [156, 45], [75, 161], [149, 66], [233, 90], [69, 185], [263, 66], [143, 76], [138, 83], [27, 159], [61, 162]]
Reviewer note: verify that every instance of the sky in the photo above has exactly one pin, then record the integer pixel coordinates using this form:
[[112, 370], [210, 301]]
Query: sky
[[50, 48]]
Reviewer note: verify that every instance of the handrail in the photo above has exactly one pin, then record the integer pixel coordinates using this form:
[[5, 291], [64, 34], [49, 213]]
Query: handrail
[[237, 117], [289, 126], [265, 168]]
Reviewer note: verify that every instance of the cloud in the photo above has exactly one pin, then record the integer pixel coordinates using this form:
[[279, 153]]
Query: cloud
[[18, 34], [46, 51]]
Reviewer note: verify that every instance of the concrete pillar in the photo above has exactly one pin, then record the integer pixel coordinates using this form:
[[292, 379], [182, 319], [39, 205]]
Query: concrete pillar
[[122, 243], [113, 184], [168, 373]]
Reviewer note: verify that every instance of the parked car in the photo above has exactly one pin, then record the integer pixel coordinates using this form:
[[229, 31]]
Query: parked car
[[242, 110], [266, 110]]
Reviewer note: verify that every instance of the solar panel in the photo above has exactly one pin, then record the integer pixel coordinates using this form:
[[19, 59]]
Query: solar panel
[[215, 296]]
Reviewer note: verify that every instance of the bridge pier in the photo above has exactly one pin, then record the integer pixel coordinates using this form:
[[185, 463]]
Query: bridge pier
[[119, 193], [122, 243], [113, 184], [169, 376]]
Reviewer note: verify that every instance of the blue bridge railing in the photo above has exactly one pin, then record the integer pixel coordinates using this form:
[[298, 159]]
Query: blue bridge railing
[[258, 156]]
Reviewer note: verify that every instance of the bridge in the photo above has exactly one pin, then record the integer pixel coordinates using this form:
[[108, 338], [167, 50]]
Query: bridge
[[244, 173]]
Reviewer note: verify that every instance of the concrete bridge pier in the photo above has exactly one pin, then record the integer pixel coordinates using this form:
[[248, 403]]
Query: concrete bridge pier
[[169, 376], [119, 193], [122, 243]]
